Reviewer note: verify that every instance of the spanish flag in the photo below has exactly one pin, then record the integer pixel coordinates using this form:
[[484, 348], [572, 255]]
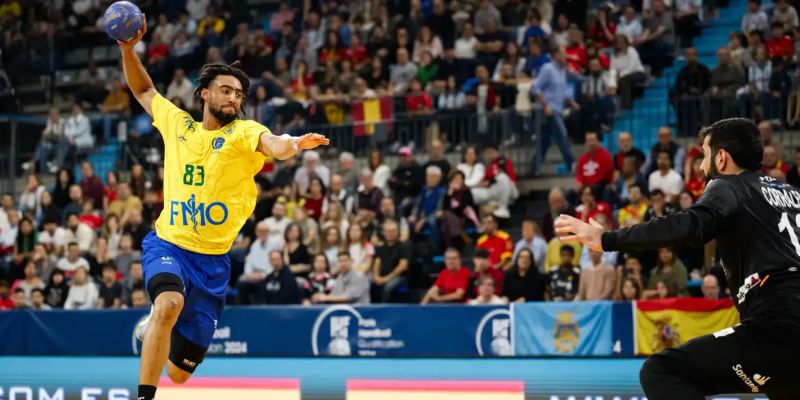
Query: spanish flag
[[371, 110], [668, 323]]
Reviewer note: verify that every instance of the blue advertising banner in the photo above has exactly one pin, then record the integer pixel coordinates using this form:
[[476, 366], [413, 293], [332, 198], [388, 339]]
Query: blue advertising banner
[[342, 330], [622, 328], [562, 329]]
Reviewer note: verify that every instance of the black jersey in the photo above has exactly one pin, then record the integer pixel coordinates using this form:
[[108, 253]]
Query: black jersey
[[756, 221]]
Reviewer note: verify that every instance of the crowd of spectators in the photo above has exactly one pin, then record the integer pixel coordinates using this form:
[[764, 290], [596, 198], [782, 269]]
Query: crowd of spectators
[[757, 76], [312, 60], [343, 235], [361, 235]]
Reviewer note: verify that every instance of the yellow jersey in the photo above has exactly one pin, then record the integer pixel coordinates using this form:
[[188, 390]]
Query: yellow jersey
[[209, 189]]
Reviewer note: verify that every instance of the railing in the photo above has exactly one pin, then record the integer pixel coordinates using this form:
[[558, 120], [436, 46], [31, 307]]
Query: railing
[[24, 133], [456, 128]]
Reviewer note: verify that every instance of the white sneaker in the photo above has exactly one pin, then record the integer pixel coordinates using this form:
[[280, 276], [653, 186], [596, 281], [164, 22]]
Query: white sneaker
[[26, 166], [141, 326], [52, 167]]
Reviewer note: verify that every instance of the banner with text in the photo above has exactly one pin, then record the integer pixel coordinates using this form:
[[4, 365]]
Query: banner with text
[[340, 330]]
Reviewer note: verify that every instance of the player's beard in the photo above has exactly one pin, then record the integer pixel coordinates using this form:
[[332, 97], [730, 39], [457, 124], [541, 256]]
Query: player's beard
[[223, 117], [713, 173]]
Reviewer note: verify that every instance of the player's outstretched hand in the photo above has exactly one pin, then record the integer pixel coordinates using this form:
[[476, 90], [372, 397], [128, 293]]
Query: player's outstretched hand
[[311, 141], [571, 229], [139, 35]]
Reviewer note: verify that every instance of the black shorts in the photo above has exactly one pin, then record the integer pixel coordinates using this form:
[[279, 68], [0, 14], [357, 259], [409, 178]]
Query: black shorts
[[756, 357]]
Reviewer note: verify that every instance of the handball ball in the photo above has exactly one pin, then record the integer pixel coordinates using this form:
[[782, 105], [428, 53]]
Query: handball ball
[[122, 20]]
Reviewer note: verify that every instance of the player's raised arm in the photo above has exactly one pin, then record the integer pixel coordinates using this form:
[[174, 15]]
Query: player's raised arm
[[285, 146], [695, 226], [135, 74]]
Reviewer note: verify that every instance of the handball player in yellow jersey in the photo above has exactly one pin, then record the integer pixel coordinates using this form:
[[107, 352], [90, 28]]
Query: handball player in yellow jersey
[[209, 191]]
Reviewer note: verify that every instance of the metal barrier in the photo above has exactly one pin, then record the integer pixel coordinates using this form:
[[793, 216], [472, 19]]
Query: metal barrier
[[24, 133], [514, 132]]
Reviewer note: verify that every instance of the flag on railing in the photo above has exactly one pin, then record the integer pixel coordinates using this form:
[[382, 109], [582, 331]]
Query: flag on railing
[[668, 323], [371, 110]]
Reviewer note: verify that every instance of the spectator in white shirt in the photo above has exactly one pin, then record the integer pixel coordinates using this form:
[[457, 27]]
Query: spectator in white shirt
[[532, 241], [72, 261], [486, 293], [77, 135], [629, 24], [276, 225], [471, 167], [83, 292], [665, 178], [465, 45], [256, 267], [628, 67], [165, 29], [8, 234], [311, 166], [785, 14], [755, 18], [51, 137], [197, 8], [53, 236], [79, 232], [182, 88]]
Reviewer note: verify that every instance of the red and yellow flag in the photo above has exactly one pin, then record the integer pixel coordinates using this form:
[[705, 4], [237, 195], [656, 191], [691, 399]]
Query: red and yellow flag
[[668, 323], [371, 110]]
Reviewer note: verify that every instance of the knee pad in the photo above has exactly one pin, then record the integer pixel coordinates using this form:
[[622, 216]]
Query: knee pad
[[163, 282]]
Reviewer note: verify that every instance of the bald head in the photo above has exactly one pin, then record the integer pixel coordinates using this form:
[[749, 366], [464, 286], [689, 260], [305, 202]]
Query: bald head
[[710, 287]]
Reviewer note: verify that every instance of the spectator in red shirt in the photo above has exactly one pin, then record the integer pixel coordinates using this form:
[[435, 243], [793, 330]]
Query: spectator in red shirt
[[452, 284], [495, 162], [484, 269], [89, 216], [497, 188], [332, 50], [595, 166], [497, 242], [577, 59], [110, 191], [91, 185], [314, 199], [5, 300], [602, 31], [302, 81], [590, 207], [696, 181], [593, 52], [779, 44], [418, 102], [357, 53], [158, 50]]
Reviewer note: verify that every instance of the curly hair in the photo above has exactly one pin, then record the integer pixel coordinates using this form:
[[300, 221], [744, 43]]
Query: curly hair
[[209, 72]]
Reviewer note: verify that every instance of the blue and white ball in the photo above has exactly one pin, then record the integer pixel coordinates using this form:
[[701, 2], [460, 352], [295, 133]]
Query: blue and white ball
[[122, 20]]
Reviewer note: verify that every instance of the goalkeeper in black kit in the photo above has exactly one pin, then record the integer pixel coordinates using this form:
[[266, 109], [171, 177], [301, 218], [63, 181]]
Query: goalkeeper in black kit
[[756, 221]]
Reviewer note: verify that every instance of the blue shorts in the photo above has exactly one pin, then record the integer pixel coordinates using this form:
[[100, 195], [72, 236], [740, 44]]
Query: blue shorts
[[205, 281]]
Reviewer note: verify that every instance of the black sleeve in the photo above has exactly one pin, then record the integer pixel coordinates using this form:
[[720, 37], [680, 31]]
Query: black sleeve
[[695, 226]]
